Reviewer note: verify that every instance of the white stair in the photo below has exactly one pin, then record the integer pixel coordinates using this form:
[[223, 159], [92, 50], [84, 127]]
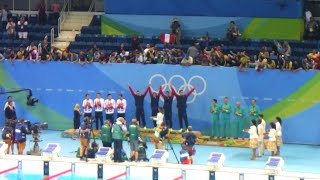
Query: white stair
[[71, 26]]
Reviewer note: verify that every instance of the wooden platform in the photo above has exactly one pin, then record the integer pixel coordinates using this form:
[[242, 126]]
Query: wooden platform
[[176, 138]]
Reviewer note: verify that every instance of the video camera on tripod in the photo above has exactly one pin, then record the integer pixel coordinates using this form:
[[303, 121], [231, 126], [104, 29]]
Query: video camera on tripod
[[35, 130]]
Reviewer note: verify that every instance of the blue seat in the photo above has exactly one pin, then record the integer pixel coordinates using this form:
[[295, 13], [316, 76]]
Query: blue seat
[[33, 19]]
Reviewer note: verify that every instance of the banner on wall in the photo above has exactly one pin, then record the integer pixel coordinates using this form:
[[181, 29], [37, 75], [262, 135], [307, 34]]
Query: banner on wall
[[213, 8], [295, 101]]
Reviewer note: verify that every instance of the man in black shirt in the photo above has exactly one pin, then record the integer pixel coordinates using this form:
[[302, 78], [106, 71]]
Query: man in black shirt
[[182, 105], [154, 104], [167, 106], [139, 102]]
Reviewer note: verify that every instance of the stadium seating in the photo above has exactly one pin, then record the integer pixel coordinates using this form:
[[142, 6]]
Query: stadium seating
[[91, 35]]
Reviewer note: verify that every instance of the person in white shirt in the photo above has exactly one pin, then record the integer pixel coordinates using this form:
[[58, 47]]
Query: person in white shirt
[[109, 106], [263, 123], [278, 135], [261, 132], [87, 106], [159, 117], [272, 146], [98, 108], [121, 106], [253, 132]]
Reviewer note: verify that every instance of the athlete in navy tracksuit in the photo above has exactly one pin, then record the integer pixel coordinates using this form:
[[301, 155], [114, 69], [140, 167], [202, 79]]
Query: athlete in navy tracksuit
[[182, 106]]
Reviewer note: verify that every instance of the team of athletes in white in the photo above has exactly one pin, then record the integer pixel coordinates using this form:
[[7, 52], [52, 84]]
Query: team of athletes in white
[[108, 105]]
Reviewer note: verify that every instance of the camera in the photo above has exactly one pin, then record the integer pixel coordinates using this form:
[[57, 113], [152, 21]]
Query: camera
[[31, 101], [35, 129]]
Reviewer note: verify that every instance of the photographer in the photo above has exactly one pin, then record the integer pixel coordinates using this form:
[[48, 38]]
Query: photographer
[[118, 130], [189, 140], [134, 133], [161, 133], [21, 136], [84, 137], [7, 134], [106, 135]]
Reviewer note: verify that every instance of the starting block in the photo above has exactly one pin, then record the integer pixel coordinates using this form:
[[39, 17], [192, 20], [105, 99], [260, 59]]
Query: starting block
[[184, 157], [159, 156], [216, 160], [274, 165], [3, 149], [104, 154], [52, 150]]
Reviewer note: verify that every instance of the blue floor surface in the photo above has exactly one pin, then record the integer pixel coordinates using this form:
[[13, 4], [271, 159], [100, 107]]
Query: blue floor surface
[[298, 158]]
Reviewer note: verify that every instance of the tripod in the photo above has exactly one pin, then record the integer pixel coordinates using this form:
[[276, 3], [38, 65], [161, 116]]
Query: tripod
[[94, 138], [171, 148]]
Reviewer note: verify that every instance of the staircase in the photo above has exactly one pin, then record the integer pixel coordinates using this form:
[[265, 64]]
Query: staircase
[[71, 26]]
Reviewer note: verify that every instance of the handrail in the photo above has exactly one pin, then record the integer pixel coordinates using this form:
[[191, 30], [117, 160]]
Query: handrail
[[63, 14], [93, 2], [52, 36]]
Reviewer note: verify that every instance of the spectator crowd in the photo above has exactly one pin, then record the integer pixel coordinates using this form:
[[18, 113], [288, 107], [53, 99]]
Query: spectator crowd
[[198, 53]]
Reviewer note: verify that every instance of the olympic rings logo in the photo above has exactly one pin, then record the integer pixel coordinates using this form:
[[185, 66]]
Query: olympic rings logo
[[185, 85]]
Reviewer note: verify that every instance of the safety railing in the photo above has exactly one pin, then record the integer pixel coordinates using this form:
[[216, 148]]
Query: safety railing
[[52, 36], [63, 14], [92, 5]]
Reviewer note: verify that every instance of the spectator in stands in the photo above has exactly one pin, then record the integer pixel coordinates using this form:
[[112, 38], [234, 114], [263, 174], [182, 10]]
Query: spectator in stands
[[187, 61], [55, 7], [11, 28], [176, 56], [204, 41], [232, 32], [312, 29], [193, 51], [97, 56], [217, 57], [135, 43], [104, 58], [121, 48], [56, 54], [42, 12], [90, 55], [315, 58], [21, 54], [139, 58], [175, 28], [284, 49], [10, 55], [2, 57], [22, 28], [264, 54], [308, 15], [149, 56], [5, 13], [244, 59], [45, 51], [33, 52], [71, 56], [83, 58]]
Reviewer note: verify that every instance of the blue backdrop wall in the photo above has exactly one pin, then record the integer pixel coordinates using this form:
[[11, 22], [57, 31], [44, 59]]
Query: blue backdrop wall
[[217, 8], [60, 85]]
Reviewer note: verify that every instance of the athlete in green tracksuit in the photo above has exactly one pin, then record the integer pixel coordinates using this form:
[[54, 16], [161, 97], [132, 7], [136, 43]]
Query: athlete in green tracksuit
[[106, 134], [239, 115], [254, 112], [225, 118], [215, 112], [134, 133]]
